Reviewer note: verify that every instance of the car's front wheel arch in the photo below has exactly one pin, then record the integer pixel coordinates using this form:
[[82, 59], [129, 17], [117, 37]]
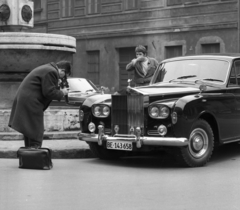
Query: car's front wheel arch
[[210, 119]]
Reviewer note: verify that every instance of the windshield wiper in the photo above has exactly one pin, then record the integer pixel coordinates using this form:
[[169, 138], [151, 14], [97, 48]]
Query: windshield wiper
[[210, 79], [183, 77], [89, 90], [75, 91]]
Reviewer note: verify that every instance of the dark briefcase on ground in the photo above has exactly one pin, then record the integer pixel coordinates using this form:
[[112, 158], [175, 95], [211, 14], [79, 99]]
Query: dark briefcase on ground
[[32, 158]]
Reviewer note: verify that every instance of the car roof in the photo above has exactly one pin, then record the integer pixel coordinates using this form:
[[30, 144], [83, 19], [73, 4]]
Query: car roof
[[224, 56]]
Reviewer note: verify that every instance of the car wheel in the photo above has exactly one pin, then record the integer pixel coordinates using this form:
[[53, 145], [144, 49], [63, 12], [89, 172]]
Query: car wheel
[[201, 145], [103, 153]]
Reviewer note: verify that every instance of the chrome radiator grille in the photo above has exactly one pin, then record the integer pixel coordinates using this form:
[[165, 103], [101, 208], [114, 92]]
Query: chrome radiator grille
[[127, 112]]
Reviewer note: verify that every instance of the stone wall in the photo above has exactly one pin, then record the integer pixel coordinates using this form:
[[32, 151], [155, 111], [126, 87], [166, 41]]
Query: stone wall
[[54, 120]]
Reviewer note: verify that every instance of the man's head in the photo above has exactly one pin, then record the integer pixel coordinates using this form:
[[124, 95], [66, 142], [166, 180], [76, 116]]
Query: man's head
[[64, 68], [140, 51]]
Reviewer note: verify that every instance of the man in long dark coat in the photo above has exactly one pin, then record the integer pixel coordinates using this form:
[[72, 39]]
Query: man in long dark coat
[[33, 97], [143, 66]]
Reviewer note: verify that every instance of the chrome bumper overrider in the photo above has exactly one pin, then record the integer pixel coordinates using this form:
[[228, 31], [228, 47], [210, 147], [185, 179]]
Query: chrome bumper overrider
[[139, 140]]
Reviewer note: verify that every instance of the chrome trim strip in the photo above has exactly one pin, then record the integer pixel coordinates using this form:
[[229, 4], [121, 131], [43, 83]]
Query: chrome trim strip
[[145, 140], [227, 142]]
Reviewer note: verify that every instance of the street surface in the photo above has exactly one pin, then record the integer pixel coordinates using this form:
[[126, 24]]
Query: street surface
[[134, 183]]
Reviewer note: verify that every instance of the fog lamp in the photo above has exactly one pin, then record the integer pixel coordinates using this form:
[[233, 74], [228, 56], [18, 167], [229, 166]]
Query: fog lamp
[[162, 130], [91, 127]]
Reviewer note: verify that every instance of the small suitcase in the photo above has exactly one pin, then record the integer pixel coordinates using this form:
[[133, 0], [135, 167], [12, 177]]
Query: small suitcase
[[32, 158]]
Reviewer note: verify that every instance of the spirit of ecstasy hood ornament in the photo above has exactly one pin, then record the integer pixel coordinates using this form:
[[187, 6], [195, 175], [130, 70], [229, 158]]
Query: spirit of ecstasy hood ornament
[[129, 82]]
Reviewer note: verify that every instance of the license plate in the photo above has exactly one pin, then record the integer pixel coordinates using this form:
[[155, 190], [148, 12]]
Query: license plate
[[119, 145]]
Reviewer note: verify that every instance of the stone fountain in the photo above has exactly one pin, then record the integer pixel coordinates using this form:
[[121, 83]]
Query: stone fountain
[[21, 51]]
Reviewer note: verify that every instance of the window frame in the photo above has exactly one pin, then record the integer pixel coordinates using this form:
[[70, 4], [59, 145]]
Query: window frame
[[89, 6], [63, 9]]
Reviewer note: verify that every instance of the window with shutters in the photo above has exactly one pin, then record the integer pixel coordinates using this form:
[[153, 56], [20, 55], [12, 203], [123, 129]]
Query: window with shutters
[[173, 51], [130, 4], [93, 66], [93, 7], [211, 48], [37, 5], [67, 8]]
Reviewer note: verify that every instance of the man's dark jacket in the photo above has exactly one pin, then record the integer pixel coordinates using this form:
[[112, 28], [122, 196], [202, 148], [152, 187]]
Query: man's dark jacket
[[139, 77], [34, 95]]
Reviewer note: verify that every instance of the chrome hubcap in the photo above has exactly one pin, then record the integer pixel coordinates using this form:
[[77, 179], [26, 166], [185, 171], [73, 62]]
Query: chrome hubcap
[[198, 143]]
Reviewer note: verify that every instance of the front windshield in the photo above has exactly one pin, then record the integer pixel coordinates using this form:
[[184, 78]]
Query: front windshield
[[209, 70], [81, 85]]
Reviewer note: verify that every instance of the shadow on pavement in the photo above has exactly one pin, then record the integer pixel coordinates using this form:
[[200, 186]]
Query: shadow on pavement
[[226, 152], [164, 160]]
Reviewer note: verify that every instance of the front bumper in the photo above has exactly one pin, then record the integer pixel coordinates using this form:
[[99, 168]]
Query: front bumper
[[139, 140]]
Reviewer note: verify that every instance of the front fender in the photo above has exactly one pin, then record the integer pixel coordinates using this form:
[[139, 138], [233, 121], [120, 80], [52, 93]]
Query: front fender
[[189, 109], [87, 109]]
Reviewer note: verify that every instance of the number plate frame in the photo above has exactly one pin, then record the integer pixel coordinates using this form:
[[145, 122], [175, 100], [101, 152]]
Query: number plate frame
[[119, 145]]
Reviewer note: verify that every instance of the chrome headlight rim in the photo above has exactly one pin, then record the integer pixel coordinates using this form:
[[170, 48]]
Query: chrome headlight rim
[[100, 110], [159, 111], [164, 112], [154, 111], [96, 111], [106, 111]]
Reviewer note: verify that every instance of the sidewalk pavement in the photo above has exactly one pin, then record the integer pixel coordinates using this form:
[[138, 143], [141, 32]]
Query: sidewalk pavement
[[64, 145]]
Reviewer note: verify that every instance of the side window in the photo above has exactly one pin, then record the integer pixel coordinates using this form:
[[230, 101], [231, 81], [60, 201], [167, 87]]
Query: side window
[[237, 67], [237, 70], [235, 74], [232, 79]]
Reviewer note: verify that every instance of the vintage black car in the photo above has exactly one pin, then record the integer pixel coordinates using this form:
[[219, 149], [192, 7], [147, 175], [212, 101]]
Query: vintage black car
[[191, 106]]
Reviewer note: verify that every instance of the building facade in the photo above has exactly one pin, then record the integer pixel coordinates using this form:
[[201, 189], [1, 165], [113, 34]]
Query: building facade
[[107, 31]]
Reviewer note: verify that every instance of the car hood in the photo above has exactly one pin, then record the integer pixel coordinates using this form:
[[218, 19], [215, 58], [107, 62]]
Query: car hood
[[158, 92], [99, 98], [80, 97], [170, 89]]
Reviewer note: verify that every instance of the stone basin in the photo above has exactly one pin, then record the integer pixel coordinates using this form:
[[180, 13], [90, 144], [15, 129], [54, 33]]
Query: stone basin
[[21, 52]]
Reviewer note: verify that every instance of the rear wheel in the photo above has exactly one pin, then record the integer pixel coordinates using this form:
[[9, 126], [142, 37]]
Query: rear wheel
[[103, 153], [201, 145]]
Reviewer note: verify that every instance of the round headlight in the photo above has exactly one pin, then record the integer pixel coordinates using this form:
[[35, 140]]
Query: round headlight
[[154, 111], [164, 112], [97, 111], [106, 111]]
